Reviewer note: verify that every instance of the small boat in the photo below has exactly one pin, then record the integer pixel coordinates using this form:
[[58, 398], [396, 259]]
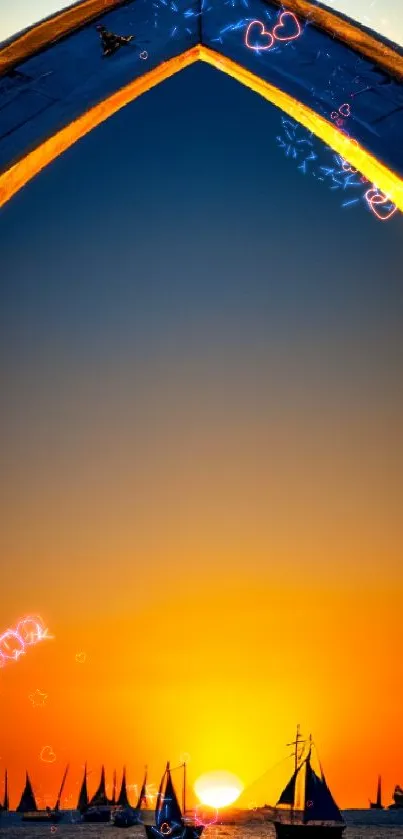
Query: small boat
[[47, 815], [169, 821], [397, 799], [317, 815], [98, 808], [377, 805], [126, 815]]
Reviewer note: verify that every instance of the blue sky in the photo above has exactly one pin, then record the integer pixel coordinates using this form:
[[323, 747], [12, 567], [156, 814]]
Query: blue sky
[[385, 16]]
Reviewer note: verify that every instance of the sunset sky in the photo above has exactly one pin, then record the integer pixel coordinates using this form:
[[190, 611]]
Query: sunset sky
[[201, 475]]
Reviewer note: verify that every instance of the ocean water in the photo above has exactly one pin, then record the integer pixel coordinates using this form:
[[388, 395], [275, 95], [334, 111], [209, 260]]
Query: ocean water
[[255, 831]]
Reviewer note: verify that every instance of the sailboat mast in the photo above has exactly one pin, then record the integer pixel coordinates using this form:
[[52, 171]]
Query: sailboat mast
[[57, 806], [298, 741], [184, 788], [6, 803], [379, 793]]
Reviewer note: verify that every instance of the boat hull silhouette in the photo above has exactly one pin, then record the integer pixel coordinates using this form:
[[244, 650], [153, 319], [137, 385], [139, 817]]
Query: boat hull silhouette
[[308, 831], [97, 814], [126, 818], [181, 832], [41, 816]]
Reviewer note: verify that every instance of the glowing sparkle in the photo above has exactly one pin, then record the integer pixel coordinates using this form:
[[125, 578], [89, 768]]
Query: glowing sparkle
[[47, 755], [38, 698], [13, 642]]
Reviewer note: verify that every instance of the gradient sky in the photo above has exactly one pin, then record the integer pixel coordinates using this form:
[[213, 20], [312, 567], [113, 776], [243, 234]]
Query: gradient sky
[[201, 436], [385, 16]]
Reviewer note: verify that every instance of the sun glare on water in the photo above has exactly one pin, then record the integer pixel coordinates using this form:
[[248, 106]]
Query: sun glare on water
[[218, 789]]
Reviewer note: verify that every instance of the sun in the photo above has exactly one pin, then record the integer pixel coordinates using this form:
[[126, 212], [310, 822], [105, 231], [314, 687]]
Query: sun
[[218, 789]]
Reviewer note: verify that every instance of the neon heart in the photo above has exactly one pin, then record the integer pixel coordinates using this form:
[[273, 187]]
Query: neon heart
[[11, 645], [31, 630], [347, 110], [80, 658], [287, 20], [374, 197], [47, 755], [262, 34]]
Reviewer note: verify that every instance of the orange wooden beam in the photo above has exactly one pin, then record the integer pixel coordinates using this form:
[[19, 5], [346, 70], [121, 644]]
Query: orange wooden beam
[[377, 173]]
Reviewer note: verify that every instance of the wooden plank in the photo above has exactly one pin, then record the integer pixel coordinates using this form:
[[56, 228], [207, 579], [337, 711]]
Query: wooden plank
[[349, 33], [49, 31]]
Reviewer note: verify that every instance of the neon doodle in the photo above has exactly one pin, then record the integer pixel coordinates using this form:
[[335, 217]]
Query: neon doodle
[[328, 167], [47, 755], [13, 642], [286, 20], [200, 822], [288, 28], [81, 658], [264, 33], [375, 198], [38, 698]]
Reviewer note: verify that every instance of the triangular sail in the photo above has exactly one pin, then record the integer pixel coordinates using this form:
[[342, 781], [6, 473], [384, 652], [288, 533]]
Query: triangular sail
[[288, 794], [99, 799], [123, 800], [319, 802], [83, 796], [143, 793], [27, 801], [169, 812], [113, 799], [59, 797], [158, 802]]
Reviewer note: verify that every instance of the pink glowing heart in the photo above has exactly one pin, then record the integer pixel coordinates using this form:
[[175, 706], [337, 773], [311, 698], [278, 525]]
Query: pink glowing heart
[[31, 630], [259, 32], [288, 28], [11, 645], [345, 110], [47, 755], [377, 199]]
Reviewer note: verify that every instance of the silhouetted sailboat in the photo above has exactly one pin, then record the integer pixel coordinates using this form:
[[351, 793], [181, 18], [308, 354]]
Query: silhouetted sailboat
[[397, 799], [377, 805], [27, 801], [168, 815], [82, 804], [123, 800], [113, 799], [98, 809], [129, 816], [317, 816], [48, 814]]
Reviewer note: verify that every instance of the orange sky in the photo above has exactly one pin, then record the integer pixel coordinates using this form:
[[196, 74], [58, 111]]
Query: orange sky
[[215, 585], [200, 487]]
